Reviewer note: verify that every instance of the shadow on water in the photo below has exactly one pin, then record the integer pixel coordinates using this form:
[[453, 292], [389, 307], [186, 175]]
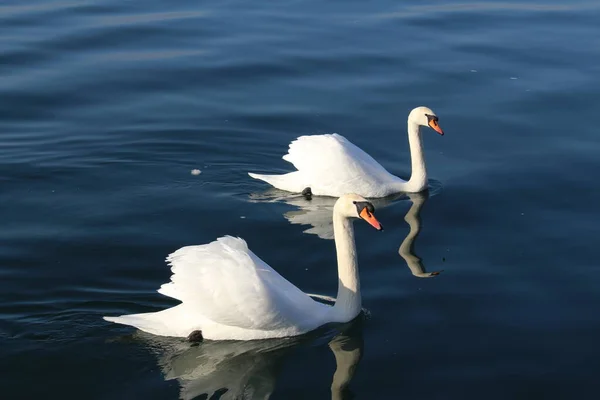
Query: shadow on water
[[249, 369]]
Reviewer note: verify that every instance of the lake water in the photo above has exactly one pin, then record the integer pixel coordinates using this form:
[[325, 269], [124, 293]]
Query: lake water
[[106, 106]]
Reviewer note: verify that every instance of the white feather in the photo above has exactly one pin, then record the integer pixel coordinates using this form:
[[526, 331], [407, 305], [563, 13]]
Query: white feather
[[332, 166], [229, 293]]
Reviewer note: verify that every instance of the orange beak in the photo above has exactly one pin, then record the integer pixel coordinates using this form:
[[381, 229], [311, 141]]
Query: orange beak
[[370, 218], [436, 127]]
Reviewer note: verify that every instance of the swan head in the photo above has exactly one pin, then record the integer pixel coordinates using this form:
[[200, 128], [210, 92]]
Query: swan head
[[355, 206], [424, 116]]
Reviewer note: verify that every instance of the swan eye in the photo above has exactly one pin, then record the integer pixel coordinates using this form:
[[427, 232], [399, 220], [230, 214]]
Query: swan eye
[[431, 118], [362, 205]]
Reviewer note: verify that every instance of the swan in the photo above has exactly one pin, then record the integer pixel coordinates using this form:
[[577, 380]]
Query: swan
[[330, 165], [228, 293]]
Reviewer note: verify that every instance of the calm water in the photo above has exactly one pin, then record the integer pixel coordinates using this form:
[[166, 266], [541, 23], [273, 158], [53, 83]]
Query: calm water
[[106, 106]]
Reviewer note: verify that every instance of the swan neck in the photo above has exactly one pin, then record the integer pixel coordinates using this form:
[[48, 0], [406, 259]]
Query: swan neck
[[348, 302], [418, 177]]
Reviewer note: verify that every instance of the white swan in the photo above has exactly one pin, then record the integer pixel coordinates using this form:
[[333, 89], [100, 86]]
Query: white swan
[[330, 165], [228, 293]]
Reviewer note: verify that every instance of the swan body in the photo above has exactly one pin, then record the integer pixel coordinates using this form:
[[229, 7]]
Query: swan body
[[229, 293], [331, 165]]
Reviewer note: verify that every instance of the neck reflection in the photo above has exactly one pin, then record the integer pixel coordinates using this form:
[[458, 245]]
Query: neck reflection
[[317, 212], [406, 250], [317, 215]]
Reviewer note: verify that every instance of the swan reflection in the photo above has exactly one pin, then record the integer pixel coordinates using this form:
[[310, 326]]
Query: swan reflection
[[406, 250], [316, 212], [228, 370]]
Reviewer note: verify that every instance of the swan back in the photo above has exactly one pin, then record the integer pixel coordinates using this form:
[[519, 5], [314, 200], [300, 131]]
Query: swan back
[[333, 166], [225, 282]]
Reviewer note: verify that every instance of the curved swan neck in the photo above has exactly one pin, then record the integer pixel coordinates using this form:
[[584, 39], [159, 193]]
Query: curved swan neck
[[348, 302], [418, 177]]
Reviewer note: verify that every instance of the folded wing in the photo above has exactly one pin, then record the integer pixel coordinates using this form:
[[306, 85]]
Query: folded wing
[[333, 164]]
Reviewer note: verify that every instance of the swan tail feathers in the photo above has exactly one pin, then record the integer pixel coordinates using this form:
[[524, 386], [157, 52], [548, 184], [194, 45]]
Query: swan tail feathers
[[169, 322], [291, 182], [145, 322]]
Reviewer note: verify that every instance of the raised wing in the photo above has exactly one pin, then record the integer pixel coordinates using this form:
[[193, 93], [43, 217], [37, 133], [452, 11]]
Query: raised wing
[[228, 284], [333, 162]]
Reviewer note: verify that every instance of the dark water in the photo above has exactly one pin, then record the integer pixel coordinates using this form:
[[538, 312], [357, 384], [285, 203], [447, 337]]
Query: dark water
[[106, 106]]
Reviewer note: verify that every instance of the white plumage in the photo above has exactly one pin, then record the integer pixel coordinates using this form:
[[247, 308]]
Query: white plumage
[[331, 165], [228, 293]]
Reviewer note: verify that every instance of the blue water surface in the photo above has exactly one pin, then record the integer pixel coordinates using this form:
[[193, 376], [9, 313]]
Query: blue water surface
[[106, 106]]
